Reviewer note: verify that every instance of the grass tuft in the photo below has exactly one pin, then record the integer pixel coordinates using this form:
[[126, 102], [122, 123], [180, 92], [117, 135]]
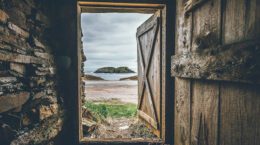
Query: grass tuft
[[112, 109]]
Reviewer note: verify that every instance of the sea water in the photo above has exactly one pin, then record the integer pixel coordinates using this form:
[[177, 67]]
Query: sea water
[[113, 76]]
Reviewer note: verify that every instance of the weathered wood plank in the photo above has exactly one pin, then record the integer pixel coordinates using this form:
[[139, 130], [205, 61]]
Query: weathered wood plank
[[192, 5], [182, 104], [121, 141], [207, 122], [149, 119], [90, 9], [149, 58], [136, 6], [182, 113], [204, 121], [240, 20], [240, 114], [205, 94], [237, 62], [167, 115], [126, 3], [239, 106]]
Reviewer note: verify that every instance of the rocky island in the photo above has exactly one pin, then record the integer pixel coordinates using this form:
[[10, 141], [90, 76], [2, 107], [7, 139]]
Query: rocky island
[[114, 70]]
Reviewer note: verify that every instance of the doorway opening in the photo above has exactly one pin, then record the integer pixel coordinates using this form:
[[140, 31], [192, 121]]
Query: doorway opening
[[152, 75], [110, 95]]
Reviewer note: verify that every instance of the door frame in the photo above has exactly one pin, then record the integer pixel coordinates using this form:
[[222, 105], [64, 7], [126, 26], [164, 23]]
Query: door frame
[[168, 43]]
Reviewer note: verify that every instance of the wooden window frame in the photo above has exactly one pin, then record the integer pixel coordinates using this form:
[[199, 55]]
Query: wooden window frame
[[130, 6]]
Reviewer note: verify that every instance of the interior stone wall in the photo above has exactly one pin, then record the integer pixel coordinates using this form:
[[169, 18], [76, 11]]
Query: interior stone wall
[[31, 110]]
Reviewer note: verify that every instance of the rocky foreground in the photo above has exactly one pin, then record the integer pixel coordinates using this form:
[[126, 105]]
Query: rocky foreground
[[95, 126]]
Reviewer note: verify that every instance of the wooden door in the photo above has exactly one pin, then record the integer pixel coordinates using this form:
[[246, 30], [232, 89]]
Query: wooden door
[[216, 69], [149, 72]]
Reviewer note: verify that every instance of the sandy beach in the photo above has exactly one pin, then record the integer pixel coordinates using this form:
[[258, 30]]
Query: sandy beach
[[125, 91]]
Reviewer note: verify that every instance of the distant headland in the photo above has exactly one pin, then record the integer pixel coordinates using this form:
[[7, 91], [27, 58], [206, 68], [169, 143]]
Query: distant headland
[[122, 69]]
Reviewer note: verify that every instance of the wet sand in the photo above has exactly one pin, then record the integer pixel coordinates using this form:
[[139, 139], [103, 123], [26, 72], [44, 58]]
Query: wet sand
[[125, 91]]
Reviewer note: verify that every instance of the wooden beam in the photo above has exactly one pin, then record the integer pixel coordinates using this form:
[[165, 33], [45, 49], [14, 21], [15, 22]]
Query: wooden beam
[[238, 62], [192, 5], [148, 119], [125, 1], [117, 6], [104, 9], [120, 141], [121, 4]]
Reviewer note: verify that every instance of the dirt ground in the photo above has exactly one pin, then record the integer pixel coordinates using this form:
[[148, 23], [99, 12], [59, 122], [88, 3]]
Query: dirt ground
[[121, 128]]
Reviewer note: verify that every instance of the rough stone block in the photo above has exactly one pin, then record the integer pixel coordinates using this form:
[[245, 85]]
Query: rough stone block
[[41, 73], [44, 55], [17, 17], [37, 81], [37, 43], [5, 47], [3, 17], [18, 30], [11, 101], [46, 131], [53, 70], [4, 80], [30, 3], [19, 6], [26, 59], [7, 134], [19, 68], [39, 94], [47, 111], [11, 87], [50, 84], [50, 91], [51, 99], [26, 120], [42, 69], [10, 42], [42, 18]]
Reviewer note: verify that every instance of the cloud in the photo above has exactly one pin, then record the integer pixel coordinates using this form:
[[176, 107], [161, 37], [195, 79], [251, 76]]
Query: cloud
[[109, 39]]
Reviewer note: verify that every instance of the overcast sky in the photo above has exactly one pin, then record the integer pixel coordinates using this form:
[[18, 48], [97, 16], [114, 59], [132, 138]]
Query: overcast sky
[[109, 39]]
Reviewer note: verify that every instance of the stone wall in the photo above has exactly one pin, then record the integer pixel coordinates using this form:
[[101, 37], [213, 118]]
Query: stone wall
[[83, 59], [30, 106]]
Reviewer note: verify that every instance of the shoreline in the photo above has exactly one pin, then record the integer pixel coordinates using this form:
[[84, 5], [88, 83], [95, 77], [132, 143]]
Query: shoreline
[[110, 76]]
